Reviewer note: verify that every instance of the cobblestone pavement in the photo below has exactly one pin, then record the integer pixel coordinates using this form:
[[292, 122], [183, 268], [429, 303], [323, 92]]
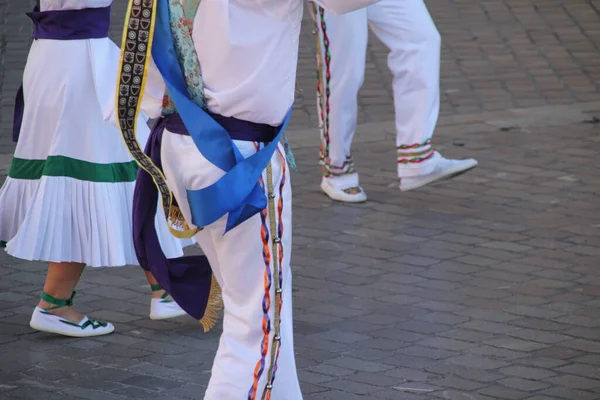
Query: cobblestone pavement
[[483, 288]]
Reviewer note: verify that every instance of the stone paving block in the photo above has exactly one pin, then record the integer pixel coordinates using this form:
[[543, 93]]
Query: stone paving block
[[583, 345], [516, 344], [309, 389], [89, 394], [468, 373], [459, 383], [406, 361], [527, 373], [541, 324], [460, 395], [31, 393], [427, 352], [397, 395], [569, 393], [558, 352], [479, 313], [542, 362], [336, 395], [580, 320], [410, 374], [359, 365], [349, 386], [477, 260], [93, 384], [332, 370], [524, 384], [503, 392], [541, 398], [575, 382], [439, 306], [589, 359], [499, 353], [151, 382], [539, 336], [314, 379], [370, 354], [531, 311], [49, 374], [131, 392], [449, 344], [475, 361], [581, 370], [489, 327]]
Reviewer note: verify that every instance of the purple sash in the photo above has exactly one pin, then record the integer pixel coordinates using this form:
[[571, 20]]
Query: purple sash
[[186, 279], [89, 23], [238, 129]]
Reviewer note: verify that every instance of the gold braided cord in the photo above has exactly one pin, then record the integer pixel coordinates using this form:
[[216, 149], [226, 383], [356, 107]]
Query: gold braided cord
[[320, 90], [275, 244], [136, 47]]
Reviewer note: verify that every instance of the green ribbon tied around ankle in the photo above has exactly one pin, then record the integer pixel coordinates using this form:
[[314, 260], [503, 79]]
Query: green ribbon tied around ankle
[[156, 288], [59, 303]]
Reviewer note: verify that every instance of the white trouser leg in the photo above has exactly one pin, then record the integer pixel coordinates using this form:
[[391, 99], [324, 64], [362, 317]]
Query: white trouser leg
[[245, 261], [342, 43], [407, 29]]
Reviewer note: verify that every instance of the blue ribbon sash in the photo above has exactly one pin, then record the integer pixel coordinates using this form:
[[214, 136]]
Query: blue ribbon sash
[[238, 193]]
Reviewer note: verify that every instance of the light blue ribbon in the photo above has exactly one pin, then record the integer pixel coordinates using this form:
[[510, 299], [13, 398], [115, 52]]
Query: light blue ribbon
[[238, 192]]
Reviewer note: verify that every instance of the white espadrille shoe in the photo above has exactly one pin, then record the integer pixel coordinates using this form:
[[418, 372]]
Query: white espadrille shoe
[[163, 307], [445, 169], [354, 194], [43, 320]]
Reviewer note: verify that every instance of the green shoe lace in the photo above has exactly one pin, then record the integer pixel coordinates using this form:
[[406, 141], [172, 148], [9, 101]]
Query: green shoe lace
[[60, 303], [164, 299]]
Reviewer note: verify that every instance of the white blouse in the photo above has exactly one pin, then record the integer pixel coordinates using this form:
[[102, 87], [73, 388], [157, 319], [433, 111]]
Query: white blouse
[[248, 53]]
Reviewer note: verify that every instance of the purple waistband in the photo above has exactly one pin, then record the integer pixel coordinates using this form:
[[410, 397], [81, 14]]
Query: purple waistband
[[238, 129], [88, 23]]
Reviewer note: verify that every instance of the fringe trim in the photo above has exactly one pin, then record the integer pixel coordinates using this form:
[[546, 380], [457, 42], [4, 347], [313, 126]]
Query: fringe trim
[[177, 220], [215, 297], [215, 304]]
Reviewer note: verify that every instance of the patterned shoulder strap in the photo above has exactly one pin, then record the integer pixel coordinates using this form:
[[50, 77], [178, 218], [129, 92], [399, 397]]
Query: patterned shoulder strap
[[136, 49]]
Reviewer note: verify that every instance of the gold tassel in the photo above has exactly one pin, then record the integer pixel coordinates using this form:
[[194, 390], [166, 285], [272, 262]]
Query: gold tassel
[[215, 304], [176, 217], [177, 220]]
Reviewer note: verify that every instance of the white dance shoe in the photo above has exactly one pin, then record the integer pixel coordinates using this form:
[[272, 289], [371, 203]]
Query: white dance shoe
[[43, 320], [445, 169], [347, 195], [163, 307]]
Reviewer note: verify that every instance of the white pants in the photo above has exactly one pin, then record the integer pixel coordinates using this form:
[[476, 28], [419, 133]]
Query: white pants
[[244, 262], [407, 29]]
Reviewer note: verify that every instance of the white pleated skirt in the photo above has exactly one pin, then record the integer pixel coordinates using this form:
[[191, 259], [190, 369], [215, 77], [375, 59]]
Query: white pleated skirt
[[69, 193]]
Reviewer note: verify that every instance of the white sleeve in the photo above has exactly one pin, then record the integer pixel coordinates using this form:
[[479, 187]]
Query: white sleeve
[[344, 6], [154, 92]]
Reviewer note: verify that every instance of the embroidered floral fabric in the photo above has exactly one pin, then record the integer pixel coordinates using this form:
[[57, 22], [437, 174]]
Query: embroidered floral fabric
[[182, 13]]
